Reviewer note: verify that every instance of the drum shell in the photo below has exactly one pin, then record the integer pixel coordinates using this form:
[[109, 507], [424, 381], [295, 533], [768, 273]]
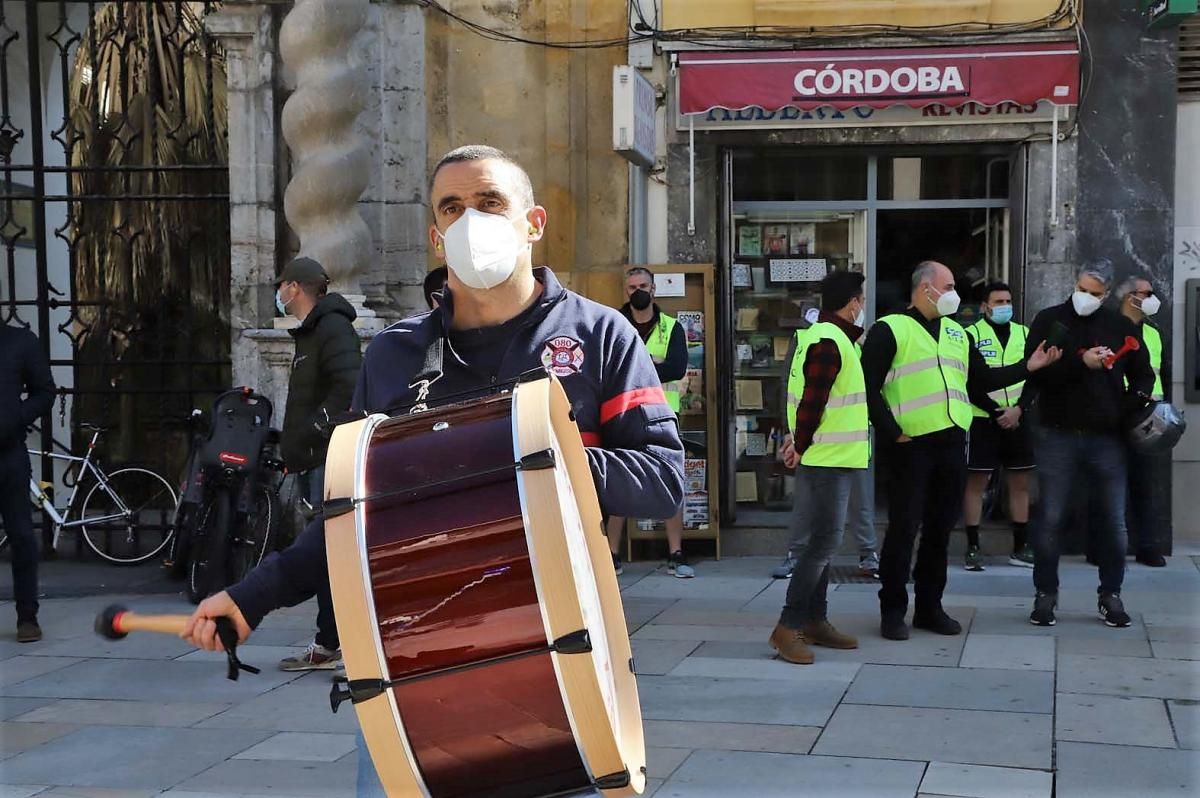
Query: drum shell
[[457, 607]]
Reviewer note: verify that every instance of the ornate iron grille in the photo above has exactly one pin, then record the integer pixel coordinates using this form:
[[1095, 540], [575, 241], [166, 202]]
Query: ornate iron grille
[[114, 212]]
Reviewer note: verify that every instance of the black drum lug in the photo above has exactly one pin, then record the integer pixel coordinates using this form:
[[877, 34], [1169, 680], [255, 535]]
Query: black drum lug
[[578, 642], [537, 461], [335, 507], [613, 781]]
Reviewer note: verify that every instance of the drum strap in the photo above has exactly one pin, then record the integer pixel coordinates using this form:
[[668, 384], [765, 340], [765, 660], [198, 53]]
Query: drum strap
[[431, 371]]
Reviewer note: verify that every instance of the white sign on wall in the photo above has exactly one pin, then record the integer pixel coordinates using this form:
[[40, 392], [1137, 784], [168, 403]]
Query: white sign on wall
[[634, 110]]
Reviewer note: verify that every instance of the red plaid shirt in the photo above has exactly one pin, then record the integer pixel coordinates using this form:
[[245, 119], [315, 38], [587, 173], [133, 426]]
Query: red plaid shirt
[[822, 364]]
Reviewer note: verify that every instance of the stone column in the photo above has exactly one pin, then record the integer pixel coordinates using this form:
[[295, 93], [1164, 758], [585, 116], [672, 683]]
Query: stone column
[[261, 355], [331, 159]]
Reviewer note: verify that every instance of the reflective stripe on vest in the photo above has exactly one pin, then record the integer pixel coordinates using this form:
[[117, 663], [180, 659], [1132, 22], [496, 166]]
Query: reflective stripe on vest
[[1153, 340], [927, 386], [989, 347], [841, 439], [657, 345], [1154, 348]]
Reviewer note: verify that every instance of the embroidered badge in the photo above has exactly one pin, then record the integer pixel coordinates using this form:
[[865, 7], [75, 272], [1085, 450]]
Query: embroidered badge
[[563, 356]]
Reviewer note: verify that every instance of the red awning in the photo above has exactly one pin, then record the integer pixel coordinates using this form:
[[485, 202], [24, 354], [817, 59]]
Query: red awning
[[879, 78]]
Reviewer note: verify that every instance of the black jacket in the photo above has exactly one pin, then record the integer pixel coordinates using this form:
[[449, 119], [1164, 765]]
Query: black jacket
[[23, 370], [1069, 395], [324, 372]]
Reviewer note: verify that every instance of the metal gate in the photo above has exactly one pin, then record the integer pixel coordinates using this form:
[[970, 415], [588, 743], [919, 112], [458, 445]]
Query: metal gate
[[114, 213]]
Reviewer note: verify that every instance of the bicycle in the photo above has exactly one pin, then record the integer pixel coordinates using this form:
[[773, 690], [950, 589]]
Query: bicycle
[[126, 516], [233, 492]]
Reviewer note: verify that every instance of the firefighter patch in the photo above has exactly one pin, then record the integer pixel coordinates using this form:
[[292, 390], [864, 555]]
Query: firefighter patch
[[563, 356]]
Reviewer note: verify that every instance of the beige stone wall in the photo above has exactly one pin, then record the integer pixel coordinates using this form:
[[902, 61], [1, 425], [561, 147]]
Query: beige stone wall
[[551, 109]]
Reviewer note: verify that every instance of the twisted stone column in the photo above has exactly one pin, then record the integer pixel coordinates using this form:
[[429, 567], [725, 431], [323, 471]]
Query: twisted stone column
[[331, 160]]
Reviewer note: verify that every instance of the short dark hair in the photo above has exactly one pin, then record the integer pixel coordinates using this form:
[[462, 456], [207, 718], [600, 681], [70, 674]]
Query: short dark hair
[[992, 287], [838, 288], [639, 270], [435, 281], [482, 152]]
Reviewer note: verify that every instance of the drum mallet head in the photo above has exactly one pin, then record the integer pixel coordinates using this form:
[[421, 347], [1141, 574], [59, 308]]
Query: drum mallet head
[[108, 622]]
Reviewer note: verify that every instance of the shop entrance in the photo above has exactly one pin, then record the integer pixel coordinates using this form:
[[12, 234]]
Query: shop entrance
[[793, 217]]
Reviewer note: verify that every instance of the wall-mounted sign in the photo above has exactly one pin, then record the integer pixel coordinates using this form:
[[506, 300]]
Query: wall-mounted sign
[[634, 109], [1161, 13], [986, 75]]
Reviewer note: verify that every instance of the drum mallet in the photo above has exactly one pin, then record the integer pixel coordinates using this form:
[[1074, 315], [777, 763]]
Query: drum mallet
[[115, 622]]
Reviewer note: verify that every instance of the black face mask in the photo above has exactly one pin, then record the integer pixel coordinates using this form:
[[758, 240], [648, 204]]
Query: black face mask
[[640, 299]]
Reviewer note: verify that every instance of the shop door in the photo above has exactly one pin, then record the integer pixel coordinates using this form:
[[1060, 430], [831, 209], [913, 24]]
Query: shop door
[[793, 217]]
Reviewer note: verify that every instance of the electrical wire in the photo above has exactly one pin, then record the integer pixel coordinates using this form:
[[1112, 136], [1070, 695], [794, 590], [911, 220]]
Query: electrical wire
[[759, 38]]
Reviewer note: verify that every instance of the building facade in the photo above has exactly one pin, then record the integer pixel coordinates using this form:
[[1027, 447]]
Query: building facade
[[1013, 142]]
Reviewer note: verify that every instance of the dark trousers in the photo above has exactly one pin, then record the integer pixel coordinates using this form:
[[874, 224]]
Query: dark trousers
[[1140, 522], [819, 506], [925, 489], [1101, 460], [17, 512], [310, 486]]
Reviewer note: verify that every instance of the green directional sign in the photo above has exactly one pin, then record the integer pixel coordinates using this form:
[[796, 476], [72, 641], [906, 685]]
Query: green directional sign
[[1160, 13]]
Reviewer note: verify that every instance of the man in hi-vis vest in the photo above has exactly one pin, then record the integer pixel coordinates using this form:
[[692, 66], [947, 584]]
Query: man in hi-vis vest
[[666, 342], [1138, 304], [827, 412], [922, 376], [998, 436]]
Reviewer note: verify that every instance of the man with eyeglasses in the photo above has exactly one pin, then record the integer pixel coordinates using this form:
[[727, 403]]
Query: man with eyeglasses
[[1138, 304], [1083, 401]]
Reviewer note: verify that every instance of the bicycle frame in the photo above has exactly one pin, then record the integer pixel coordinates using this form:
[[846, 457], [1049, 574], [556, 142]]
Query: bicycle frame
[[85, 465]]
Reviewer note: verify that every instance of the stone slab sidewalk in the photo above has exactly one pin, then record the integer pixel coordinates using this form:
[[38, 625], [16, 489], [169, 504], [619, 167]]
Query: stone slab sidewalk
[[1007, 710]]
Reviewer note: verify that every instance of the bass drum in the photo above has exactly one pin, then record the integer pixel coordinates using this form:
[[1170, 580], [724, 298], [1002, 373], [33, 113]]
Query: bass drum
[[479, 616]]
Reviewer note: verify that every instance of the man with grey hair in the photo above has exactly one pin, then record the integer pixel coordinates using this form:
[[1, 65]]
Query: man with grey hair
[[1138, 304], [1083, 401], [922, 377]]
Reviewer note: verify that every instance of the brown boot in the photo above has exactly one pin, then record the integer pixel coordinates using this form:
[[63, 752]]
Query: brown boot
[[790, 645], [823, 633]]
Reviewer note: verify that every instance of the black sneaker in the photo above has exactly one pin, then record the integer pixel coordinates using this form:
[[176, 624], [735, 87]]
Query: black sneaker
[[618, 566], [1112, 611], [893, 627], [936, 621], [677, 566], [1043, 609]]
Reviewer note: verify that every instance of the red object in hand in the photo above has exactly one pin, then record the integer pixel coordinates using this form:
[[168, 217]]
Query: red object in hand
[[1131, 345]]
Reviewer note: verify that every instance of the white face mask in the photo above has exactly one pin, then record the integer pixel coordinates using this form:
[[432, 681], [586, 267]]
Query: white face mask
[[861, 319], [947, 303], [482, 248], [1151, 305], [1084, 303]]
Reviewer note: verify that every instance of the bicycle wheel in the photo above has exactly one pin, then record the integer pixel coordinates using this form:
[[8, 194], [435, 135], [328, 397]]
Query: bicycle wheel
[[142, 532], [256, 536], [206, 573]]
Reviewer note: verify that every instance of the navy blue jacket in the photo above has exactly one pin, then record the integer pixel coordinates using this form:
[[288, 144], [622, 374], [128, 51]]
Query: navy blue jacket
[[632, 436], [23, 370]]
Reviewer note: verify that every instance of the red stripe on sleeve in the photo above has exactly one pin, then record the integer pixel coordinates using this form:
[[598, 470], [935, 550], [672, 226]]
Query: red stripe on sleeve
[[629, 400], [591, 439]]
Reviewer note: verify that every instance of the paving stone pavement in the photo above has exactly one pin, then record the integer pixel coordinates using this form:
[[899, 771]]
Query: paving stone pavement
[[1006, 710]]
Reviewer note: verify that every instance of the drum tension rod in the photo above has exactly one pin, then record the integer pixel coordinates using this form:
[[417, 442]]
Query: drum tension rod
[[534, 461], [358, 690]]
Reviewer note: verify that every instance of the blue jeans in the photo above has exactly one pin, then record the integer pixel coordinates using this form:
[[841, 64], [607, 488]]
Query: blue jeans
[[368, 784], [819, 511], [860, 517], [1101, 459], [310, 486]]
